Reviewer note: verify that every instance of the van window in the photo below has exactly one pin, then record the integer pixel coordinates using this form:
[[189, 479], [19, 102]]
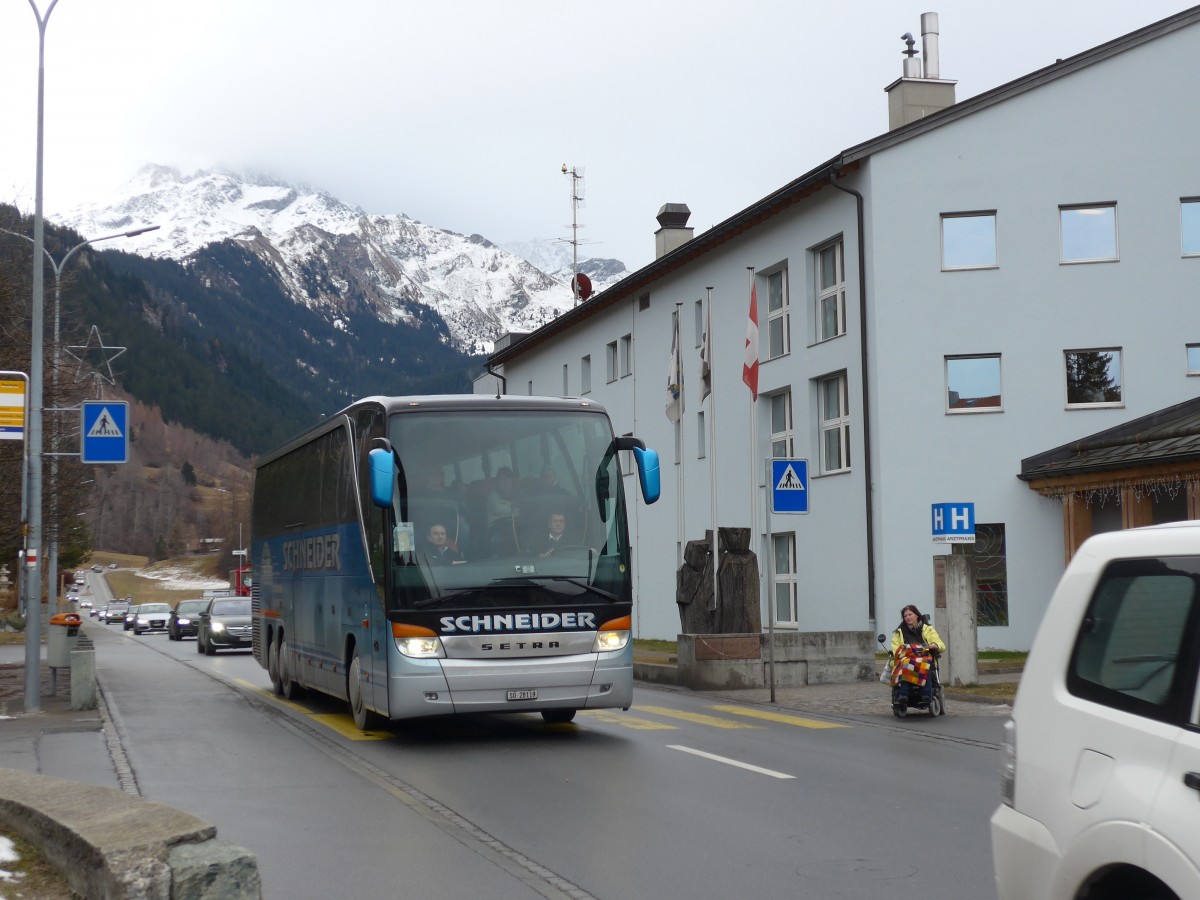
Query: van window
[[1133, 651]]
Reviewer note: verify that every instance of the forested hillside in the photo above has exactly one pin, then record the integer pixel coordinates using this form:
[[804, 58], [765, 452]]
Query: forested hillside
[[213, 350]]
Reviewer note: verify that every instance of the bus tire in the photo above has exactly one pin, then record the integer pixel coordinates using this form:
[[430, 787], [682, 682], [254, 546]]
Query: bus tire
[[558, 716], [363, 717], [273, 666], [290, 689]]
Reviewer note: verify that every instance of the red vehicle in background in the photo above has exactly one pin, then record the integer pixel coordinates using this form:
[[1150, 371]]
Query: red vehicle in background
[[239, 581]]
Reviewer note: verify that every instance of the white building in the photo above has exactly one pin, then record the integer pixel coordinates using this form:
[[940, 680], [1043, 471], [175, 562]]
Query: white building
[[939, 308]]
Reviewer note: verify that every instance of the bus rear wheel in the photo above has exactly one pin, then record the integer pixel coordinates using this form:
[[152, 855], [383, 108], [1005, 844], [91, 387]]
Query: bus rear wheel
[[273, 667], [289, 688], [558, 716], [363, 717]]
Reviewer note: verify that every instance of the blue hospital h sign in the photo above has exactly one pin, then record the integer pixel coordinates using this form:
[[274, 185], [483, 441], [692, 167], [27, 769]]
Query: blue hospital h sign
[[954, 523]]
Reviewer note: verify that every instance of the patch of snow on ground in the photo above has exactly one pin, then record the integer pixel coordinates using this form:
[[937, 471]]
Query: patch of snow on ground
[[183, 579], [8, 854]]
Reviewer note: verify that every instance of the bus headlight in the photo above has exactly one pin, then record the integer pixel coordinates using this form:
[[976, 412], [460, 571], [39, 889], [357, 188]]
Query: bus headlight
[[607, 641], [417, 641], [421, 647]]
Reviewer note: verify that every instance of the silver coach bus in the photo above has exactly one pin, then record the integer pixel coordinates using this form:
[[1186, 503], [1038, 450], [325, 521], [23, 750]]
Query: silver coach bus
[[432, 555]]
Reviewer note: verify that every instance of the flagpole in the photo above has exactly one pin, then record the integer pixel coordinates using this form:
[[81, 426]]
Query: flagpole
[[712, 449], [680, 500], [750, 375]]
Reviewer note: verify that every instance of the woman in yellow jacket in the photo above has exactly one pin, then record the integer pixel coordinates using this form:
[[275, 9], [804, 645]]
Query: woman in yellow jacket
[[913, 629]]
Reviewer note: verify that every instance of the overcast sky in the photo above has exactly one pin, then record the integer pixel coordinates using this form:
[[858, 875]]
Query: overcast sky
[[461, 113]]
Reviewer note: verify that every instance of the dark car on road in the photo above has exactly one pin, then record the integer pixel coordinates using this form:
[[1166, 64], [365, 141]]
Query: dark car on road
[[151, 617], [116, 612], [185, 619], [224, 625], [130, 617]]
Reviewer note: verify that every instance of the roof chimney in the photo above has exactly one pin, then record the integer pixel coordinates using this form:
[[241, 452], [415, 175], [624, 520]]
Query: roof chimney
[[673, 229], [921, 90]]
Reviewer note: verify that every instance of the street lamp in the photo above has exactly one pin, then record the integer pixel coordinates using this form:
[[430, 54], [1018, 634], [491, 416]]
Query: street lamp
[[33, 447]]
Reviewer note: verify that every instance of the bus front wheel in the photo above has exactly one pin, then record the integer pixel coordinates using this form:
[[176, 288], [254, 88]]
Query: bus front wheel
[[558, 716], [363, 717]]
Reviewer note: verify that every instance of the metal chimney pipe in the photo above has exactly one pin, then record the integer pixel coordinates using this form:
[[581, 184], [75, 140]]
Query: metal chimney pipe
[[929, 44]]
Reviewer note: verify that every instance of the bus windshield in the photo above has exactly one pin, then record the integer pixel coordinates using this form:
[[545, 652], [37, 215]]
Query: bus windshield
[[506, 509]]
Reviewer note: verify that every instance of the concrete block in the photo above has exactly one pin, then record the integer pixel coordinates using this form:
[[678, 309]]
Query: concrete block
[[214, 870]]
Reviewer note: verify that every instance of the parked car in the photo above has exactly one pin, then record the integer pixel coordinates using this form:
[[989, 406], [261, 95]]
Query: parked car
[[185, 619], [116, 611], [224, 625], [151, 617], [130, 617], [1101, 778]]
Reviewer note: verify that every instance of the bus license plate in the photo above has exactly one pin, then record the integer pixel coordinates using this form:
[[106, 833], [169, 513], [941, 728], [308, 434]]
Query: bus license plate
[[522, 695]]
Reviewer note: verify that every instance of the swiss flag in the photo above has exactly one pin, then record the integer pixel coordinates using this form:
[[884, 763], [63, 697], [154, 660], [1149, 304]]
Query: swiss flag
[[750, 365]]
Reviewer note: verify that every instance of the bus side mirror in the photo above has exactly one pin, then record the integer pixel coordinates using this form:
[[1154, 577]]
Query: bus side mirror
[[383, 477], [647, 464]]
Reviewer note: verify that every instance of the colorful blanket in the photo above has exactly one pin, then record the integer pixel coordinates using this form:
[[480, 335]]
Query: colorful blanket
[[911, 664]]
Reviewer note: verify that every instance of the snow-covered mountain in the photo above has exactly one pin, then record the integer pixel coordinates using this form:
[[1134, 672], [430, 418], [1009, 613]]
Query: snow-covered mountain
[[331, 257]]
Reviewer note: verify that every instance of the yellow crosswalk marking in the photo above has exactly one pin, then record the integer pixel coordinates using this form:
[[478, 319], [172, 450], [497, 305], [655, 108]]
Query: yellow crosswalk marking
[[628, 721], [342, 723], [696, 718], [782, 718]]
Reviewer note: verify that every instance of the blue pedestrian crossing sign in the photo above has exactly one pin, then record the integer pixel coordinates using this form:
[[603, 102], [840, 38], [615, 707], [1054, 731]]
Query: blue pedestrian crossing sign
[[789, 486], [104, 437]]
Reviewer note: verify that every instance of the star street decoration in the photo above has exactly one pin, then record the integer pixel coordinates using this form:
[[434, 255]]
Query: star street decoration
[[96, 356]]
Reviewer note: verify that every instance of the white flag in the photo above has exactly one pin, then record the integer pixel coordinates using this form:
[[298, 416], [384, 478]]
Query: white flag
[[675, 377]]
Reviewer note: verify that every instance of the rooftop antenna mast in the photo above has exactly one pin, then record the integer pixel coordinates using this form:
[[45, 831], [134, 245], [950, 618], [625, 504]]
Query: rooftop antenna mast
[[576, 201]]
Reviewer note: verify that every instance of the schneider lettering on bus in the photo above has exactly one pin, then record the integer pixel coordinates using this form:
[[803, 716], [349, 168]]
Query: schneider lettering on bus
[[434, 555]]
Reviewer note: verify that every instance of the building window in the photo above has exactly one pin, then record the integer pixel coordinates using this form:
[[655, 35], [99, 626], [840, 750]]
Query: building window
[[611, 362], [1193, 359], [698, 316], [627, 355], [781, 425], [786, 612], [628, 463], [835, 423], [530, 388], [585, 375], [643, 302], [831, 292], [969, 240], [1093, 377], [973, 383], [701, 436], [1088, 233], [778, 317], [566, 392], [1189, 225]]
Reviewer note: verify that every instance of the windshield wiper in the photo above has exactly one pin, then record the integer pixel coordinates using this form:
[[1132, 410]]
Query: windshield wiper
[[443, 596], [569, 579]]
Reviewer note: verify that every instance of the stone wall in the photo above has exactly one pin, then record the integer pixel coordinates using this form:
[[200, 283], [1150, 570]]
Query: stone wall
[[710, 662]]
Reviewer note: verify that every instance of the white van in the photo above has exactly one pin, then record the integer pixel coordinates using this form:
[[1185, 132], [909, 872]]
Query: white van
[[1101, 782]]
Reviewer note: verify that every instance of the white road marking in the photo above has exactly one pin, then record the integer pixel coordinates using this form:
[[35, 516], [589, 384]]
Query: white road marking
[[730, 762]]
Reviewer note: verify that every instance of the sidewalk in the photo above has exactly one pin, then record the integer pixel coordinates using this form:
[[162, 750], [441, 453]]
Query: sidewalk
[[855, 698], [57, 740]]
